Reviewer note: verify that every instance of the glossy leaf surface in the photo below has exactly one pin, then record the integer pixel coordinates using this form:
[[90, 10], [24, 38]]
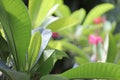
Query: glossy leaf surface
[[17, 27], [94, 71]]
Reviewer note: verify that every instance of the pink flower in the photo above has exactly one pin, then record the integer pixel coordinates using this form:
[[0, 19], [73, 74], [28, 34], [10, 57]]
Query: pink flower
[[94, 39], [99, 20]]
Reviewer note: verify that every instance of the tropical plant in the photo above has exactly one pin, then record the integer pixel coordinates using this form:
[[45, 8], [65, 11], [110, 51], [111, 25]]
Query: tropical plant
[[75, 33], [23, 47], [24, 53]]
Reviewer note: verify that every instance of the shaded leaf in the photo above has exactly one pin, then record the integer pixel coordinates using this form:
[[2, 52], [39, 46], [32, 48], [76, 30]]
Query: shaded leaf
[[117, 37], [49, 61], [4, 49], [13, 75], [112, 49]]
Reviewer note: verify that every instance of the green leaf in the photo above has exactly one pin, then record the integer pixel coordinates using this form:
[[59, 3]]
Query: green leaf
[[74, 49], [48, 59], [117, 37], [13, 75], [79, 15], [94, 71], [34, 48], [4, 49], [90, 30], [46, 35], [39, 10], [63, 11], [97, 11], [34, 7], [62, 24], [112, 49], [53, 77], [60, 2], [80, 60], [17, 28]]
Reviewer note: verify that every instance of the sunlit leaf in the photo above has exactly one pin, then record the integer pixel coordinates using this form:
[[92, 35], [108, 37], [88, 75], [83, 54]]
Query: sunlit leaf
[[97, 11], [46, 35], [94, 71], [62, 24], [17, 27], [79, 15], [53, 77], [63, 11], [39, 10], [34, 48], [74, 49]]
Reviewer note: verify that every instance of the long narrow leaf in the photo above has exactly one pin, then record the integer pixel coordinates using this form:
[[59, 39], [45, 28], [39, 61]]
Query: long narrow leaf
[[79, 15], [17, 28], [34, 48], [4, 49], [39, 10], [13, 75], [74, 49], [94, 71], [49, 58], [112, 49], [62, 24], [53, 77], [46, 35], [96, 12]]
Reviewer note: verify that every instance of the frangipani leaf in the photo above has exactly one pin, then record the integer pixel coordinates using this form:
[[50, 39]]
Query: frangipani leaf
[[17, 27], [97, 12], [94, 71], [47, 61], [4, 49], [63, 11], [112, 49], [34, 48], [62, 24], [13, 75], [53, 77], [75, 49], [46, 35], [39, 10], [79, 15]]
